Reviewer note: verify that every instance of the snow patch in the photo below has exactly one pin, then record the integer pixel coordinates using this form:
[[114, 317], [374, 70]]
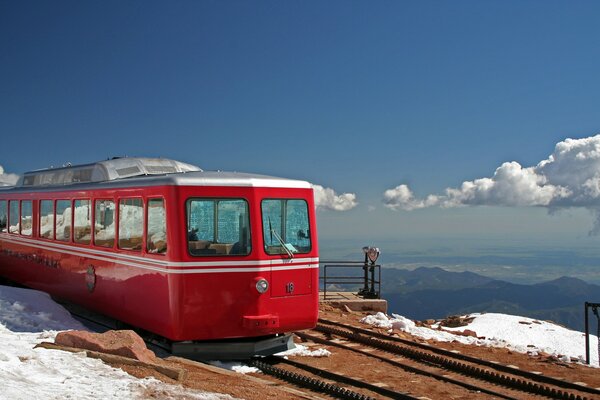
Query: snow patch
[[521, 334], [26, 310], [236, 367], [29, 317], [303, 351]]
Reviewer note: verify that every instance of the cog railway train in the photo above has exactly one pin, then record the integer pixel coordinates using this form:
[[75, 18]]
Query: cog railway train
[[195, 257]]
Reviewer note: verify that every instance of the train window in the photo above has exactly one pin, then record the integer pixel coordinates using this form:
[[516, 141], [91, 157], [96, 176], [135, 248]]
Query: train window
[[47, 219], [104, 234], [63, 220], [218, 227], [157, 227], [13, 223], [3, 216], [286, 228], [82, 226], [26, 217], [131, 216]]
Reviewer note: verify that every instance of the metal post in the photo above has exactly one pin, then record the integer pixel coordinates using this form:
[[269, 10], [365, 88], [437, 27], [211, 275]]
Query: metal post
[[379, 283], [373, 280], [325, 282], [595, 311], [587, 335], [594, 307], [365, 288]]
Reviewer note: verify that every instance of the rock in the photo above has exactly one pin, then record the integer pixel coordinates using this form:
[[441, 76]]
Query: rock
[[455, 321], [124, 343], [468, 332]]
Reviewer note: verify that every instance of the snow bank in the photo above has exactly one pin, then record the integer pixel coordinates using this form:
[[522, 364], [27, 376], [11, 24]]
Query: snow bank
[[28, 317], [299, 351], [521, 334], [404, 324], [26, 310], [235, 366], [303, 351]]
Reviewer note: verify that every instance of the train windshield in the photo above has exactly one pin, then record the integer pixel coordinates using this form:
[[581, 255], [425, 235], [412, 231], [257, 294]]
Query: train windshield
[[286, 228], [218, 227]]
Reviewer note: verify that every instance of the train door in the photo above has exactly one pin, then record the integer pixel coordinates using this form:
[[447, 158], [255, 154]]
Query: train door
[[287, 239]]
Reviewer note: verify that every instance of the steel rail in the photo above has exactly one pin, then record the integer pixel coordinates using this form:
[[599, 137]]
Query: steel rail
[[406, 367], [494, 378], [351, 381], [322, 386], [499, 367], [448, 361], [298, 379]]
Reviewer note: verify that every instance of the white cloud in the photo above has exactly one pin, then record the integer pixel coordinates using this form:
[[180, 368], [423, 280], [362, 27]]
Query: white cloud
[[7, 179], [569, 177], [511, 185], [328, 199], [402, 198]]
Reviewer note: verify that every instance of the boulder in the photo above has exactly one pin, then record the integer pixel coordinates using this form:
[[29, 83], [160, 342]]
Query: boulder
[[124, 343], [466, 332], [455, 321]]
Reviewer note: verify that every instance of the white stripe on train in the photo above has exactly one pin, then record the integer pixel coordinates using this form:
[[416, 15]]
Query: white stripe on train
[[189, 267]]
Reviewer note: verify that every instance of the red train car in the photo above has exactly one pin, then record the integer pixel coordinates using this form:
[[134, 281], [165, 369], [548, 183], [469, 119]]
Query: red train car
[[189, 255]]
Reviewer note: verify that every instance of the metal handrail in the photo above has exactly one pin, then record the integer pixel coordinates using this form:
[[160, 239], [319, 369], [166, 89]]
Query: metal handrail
[[594, 307], [371, 287]]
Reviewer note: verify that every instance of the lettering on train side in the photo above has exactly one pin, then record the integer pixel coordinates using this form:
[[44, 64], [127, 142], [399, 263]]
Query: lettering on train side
[[41, 260]]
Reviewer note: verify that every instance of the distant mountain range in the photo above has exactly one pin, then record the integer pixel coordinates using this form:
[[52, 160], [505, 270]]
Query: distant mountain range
[[432, 293]]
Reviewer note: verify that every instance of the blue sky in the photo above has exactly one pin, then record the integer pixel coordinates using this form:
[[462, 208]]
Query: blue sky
[[355, 96]]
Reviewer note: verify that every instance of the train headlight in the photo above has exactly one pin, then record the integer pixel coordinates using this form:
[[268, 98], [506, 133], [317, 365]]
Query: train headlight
[[262, 285]]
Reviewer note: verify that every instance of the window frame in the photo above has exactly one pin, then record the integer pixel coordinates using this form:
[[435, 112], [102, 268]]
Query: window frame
[[5, 201], [118, 226], [70, 239], [115, 222], [40, 215], [10, 216], [146, 224], [284, 215], [21, 217], [215, 201], [90, 220]]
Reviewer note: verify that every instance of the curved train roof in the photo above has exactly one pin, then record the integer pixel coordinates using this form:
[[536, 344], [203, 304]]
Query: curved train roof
[[137, 171]]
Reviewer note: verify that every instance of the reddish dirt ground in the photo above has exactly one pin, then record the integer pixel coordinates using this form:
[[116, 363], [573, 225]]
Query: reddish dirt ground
[[361, 367], [543, 363], [212, 380]]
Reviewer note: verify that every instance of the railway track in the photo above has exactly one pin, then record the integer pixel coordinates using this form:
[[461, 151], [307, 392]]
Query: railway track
[[417, 358], [425, 360], [332, 388], [319, 381]]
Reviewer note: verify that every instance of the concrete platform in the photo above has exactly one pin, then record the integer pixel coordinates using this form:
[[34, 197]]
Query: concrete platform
[[352, 301]]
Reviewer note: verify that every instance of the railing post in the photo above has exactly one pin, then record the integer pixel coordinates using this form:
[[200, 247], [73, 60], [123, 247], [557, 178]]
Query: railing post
[[372, 280], [587, 335], [365, 288], [379, 282], [325, 282]]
